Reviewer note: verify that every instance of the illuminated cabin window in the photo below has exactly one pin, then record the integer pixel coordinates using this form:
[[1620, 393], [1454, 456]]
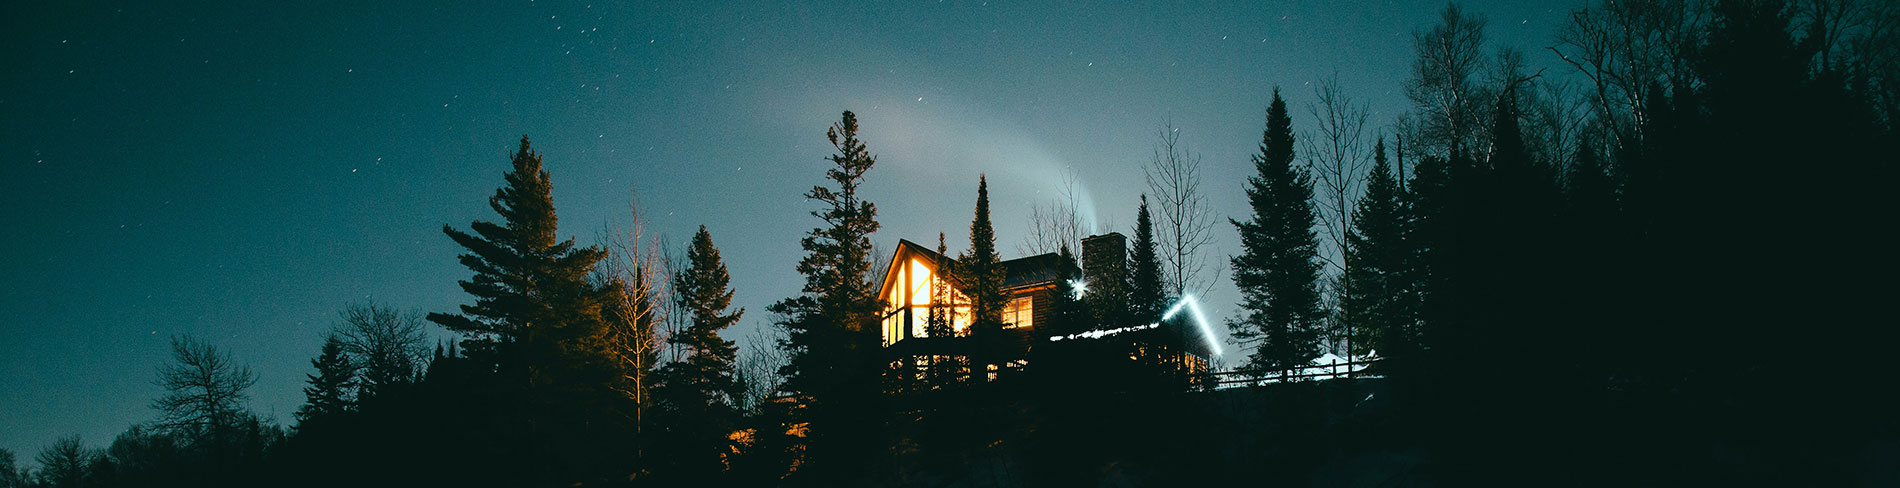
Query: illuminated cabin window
[[920, 282], [894, 315], [1019, 314], [916, 288]]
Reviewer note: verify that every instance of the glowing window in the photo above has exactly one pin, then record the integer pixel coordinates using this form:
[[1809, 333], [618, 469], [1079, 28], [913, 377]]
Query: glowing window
[[890, 328], [920, 278], [897, 291], [959, 320], [1019, 313], [894, 323]]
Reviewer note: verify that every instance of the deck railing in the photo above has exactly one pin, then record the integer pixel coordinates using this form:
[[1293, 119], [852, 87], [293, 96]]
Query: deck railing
[[1317, 372]]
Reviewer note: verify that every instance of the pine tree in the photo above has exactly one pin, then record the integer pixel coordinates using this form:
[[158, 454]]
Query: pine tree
[[1512, 231], [943, 369], [537, 333], [833, 365], [534, 308], [328, 393], [1590, 193], [1070, 366], [1597, 257], [1278, 269], [699, 394], [982, 273], [1068, 313], [1374, 301], [1145, 292], [940, 323], [1430, 242]]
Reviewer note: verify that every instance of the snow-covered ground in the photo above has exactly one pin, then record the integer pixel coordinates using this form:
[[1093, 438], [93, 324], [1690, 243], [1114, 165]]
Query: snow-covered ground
[[1330, 365], [1327, 366]]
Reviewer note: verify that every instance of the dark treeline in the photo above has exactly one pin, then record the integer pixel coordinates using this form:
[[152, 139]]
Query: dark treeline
[[1664, 273]]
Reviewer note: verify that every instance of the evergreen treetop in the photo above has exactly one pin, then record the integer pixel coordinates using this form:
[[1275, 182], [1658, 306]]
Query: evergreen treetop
[[702, 290], [1278, 270], [329, 388], [981, 268], [1145, 289], [1376, 290], [698, 396], [831, 354], [532, 297], [940, 323]]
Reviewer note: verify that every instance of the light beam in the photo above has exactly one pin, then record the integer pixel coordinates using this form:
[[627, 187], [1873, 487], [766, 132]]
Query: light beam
[[1185, 303]]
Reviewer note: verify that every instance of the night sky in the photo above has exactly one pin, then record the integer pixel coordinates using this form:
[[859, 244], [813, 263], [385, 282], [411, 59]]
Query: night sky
[[241, 171]]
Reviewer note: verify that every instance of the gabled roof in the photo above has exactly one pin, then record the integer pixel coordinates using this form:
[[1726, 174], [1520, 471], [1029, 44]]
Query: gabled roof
[[905, 250], [1035, 270]]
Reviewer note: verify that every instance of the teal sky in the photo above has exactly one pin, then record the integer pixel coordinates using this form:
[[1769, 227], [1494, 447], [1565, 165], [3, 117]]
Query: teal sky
[[240, 171]]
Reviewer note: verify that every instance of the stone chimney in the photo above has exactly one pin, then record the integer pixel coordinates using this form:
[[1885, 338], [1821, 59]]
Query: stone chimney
[[1105, 260]]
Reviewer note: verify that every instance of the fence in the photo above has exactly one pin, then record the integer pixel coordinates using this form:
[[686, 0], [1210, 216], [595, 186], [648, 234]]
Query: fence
[[1335, 370]]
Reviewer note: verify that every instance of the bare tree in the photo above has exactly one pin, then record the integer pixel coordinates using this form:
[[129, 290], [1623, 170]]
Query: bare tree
[[1852, 35], [64, 464], [204, 390], [386, 344], [1339, 156], [1336, 331], [759, 367], [636, 269], [879, 256], [1626, 49], [1878, 51], [1556, 122], [1450, 104], [11, 474], [1861, 39], [1552, 120], [1185, 223], [1057, 224]]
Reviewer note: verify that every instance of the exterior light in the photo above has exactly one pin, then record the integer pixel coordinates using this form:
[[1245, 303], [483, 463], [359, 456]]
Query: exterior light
[[1186, 303]]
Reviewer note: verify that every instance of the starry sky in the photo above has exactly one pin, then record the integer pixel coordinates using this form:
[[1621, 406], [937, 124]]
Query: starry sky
[[240, 171]]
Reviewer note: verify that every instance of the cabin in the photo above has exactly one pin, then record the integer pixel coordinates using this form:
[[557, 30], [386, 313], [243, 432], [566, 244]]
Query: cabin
[[926, 323]]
